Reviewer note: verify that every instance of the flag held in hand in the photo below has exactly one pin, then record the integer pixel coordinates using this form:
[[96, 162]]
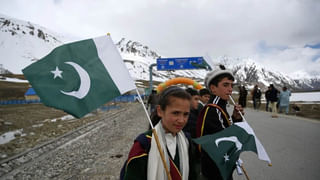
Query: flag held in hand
[[224, 147], [81, 76]]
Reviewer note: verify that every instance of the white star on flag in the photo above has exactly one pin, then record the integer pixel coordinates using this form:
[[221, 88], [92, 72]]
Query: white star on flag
[[57, 73], [226, 157]]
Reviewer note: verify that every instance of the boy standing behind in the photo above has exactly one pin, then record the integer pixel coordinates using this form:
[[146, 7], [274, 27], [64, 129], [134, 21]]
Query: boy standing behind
[[214, 116], [204, 98]]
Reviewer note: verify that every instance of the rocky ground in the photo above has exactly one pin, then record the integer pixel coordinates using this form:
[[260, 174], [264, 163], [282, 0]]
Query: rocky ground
[[33, 124], [97, 154]]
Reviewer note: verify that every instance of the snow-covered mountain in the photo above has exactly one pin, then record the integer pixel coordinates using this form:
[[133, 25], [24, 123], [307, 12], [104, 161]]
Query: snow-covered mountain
[[138, 58], [249, 72], [22, 43]]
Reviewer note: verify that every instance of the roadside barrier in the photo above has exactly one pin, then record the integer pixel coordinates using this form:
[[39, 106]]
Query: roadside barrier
[[19, 101], [123, 98]]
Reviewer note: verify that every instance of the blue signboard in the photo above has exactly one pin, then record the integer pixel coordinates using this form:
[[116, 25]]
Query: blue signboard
[[179, 63]]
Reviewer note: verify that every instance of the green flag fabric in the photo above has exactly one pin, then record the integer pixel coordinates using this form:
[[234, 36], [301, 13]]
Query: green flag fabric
[[224, 147], [81, 76]]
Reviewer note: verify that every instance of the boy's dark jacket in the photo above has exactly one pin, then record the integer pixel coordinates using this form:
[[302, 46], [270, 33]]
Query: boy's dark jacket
[[212, 119]]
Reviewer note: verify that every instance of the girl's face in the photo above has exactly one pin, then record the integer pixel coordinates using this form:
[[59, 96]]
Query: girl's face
[[176, 114]]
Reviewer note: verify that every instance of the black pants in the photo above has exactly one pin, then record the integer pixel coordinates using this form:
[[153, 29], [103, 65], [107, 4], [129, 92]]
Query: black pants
[[267, 106]]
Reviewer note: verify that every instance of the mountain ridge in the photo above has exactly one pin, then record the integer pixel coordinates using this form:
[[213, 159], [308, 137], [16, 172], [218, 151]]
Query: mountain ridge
[[26, 42]]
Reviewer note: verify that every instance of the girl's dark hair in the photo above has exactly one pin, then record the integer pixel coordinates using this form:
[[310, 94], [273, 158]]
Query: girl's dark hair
[[164, 100]]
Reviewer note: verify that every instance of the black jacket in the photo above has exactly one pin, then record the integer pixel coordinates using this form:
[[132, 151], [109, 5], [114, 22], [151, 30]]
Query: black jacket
[[274, 95], [190, 127], [267, 94], [212, 119]]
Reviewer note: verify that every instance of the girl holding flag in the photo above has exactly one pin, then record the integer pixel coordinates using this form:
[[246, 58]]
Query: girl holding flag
[[144, 161]]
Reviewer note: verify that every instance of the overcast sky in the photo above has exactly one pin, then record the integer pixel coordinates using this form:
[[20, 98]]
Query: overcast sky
[[283, 35]]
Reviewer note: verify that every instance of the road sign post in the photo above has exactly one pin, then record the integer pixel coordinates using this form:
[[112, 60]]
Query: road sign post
[[164, 64]]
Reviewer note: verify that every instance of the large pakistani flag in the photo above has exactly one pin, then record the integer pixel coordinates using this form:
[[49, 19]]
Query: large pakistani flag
[[224, 147], [80, 76]]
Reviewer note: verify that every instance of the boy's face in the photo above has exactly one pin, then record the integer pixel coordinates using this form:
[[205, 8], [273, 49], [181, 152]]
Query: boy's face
[[205, 98], [194, 101], [224, 88]]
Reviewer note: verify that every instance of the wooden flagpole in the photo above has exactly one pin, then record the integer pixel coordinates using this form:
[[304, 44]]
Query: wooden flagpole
[[156, 138], [234, 105], [245, 172]]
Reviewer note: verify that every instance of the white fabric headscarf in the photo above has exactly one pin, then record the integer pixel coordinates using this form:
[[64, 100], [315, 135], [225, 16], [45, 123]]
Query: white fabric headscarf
[[156, 169]]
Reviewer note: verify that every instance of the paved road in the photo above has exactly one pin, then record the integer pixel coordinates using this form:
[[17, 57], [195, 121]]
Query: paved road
[[292, 143]]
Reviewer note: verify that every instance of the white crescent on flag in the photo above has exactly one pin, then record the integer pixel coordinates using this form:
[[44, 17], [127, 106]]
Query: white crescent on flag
[[232, 139], [84, 82]]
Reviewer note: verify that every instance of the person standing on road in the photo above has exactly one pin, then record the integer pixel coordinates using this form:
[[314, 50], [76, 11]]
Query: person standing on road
[[274, 99], [214, 116], [243, 96], [152, 101], [267, 96], [204, 98], [256, 97], [144, 160], [284, 100]]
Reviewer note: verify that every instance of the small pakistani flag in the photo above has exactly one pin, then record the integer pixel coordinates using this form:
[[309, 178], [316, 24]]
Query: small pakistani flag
[[80, 76], [224, 147]]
